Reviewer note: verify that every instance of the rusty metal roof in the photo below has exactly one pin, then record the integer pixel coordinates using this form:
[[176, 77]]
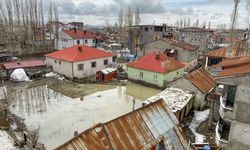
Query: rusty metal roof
[[234, 61], [244, 69], [201, 79], [140, 129]]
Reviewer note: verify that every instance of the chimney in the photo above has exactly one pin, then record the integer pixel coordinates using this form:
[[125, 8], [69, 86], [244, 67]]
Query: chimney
[[157, 55], [80, 49], [204, 27], [75, 29]]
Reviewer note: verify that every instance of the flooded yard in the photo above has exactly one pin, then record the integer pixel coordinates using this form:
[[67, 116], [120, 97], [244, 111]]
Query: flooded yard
[[57, 116]]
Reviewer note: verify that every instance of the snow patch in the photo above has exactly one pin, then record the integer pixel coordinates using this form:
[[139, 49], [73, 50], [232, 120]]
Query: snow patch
[[175, 98], [199, 117], [54, 75], [6, 142], [19, 75]]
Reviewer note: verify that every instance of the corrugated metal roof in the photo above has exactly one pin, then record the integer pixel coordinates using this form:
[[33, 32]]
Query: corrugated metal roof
[[244, 69], [24, 64], [140, 129], [201, 79], [234, 61]]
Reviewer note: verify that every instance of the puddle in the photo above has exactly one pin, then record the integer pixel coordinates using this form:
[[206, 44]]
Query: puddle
[[58, 116]]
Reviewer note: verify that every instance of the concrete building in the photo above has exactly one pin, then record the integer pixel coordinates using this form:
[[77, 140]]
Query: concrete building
[[139, 35], [153, 127], [232, 130], [200, 37], [200, 82], [181, 51], [69, 38], [79, 61], [156, 69]]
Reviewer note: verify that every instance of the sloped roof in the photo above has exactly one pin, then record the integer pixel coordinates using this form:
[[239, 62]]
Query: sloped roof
[[181, 44], [162, 65], [234, 61], [197, 28], [224, 51], [140, 129], [201, 79], [24, 64], [79, 53], [221, 52], [244, 69], [79, 34]]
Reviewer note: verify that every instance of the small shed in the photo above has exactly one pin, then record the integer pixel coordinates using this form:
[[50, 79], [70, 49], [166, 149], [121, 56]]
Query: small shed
[[106, 75]]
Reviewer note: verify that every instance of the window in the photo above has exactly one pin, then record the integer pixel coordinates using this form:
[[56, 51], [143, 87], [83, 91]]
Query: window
[[105, 62], [155, 77], [55, 61], [80, 67], [141, 74], [146, 28], [229, 93], [78, 41], [177, 72], [60, 63], [86, 41], [93, 64], [93, 41], [224, 129]]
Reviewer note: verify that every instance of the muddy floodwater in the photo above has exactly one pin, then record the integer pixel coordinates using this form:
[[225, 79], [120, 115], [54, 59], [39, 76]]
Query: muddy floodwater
[[57, 116]]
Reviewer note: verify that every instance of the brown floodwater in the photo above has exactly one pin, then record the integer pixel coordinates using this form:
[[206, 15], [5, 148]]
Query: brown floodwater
[[57, 116]]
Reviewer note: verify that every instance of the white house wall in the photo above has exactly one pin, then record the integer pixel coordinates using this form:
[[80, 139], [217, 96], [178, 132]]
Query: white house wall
[[65, 68], [88, 71], [65, 41]]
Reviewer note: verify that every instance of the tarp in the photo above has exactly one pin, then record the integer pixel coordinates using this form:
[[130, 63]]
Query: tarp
[[19, 75]]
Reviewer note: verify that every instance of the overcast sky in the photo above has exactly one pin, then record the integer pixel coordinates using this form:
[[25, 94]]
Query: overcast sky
[[97, 12]]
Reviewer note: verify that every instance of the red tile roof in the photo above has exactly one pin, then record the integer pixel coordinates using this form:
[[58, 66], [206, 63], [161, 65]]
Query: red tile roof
[[182, 44], [162, 65], [79, 34], [245, 69], [73, 54], [23, 64], [234, 61], [201, 79]]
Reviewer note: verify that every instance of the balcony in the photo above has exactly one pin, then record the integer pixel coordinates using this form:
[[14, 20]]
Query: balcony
[[222, 132], [226, 111]]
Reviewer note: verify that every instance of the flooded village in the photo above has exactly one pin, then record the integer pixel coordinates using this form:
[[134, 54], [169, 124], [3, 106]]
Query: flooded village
[[75, 81]]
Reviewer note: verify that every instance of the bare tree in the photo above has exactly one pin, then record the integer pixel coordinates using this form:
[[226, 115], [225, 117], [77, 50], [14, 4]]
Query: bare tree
[[188, 22], [197, 23], [137, 17], [129, 17], [120, 24], [7, 98]]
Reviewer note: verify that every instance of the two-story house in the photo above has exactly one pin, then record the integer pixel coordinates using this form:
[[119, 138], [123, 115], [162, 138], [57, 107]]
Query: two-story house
[[69, 38], [181, 51], [233, 127]]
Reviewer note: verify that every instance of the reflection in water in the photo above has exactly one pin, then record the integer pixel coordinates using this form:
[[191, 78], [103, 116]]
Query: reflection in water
[[34, 100], [60, 116]]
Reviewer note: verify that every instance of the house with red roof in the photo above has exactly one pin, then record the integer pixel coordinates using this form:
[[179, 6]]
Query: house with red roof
[[78, 61], [156, 69], [69, 38]]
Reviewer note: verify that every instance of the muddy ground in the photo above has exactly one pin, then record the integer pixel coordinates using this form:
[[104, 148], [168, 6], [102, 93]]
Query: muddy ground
[[203, 129]]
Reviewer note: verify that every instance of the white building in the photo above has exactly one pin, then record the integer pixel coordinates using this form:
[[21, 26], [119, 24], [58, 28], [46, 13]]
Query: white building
[[69, 38], [78, 61]]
